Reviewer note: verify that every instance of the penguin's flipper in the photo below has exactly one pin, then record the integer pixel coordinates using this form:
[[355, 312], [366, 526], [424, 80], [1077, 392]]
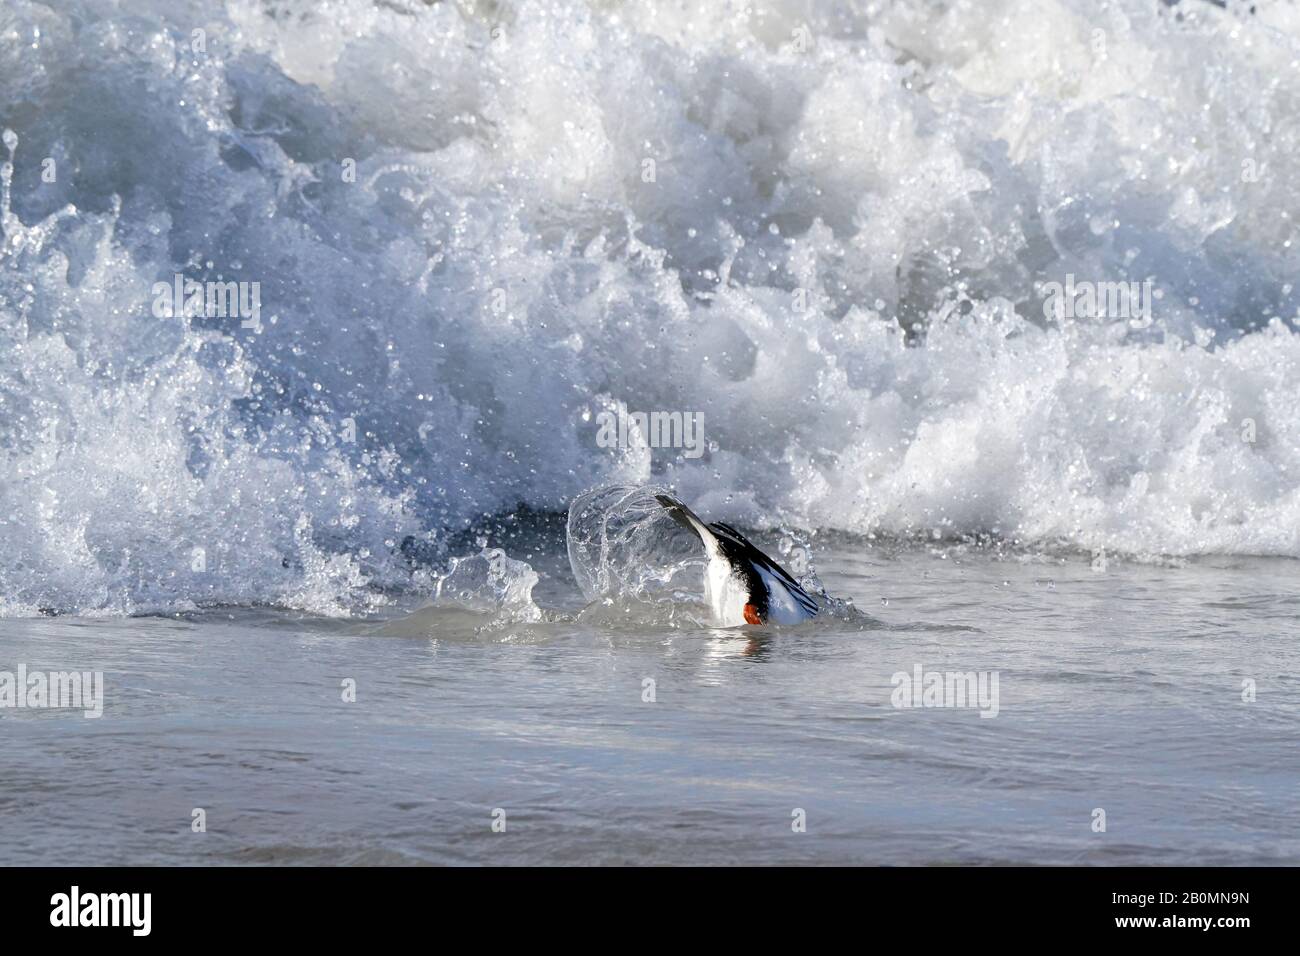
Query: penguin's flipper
[[688, 519]]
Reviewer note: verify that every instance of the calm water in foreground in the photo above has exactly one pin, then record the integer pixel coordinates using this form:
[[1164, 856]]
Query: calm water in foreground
[[1120, 690]]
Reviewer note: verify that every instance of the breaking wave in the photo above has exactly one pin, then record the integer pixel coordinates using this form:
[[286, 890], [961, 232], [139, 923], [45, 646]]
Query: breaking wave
[[826, 229]]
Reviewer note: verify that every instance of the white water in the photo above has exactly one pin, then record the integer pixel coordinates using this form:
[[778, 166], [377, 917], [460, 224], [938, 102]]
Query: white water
[[919, 170]]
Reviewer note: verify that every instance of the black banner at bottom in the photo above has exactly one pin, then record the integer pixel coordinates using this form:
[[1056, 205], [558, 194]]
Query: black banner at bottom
[[303, 905]]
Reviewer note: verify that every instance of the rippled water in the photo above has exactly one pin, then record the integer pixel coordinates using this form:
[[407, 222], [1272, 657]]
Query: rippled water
[[1120, 689]]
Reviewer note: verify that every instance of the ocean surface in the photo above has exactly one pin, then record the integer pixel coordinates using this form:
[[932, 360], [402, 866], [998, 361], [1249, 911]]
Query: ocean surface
[[1119, 690], [441, 244]]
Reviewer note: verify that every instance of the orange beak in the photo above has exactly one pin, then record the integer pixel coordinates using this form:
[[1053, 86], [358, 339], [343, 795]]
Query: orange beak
[[751, 615]]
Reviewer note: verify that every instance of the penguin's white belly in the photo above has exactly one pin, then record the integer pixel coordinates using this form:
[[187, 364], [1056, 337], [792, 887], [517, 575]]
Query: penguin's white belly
[[725, 593]]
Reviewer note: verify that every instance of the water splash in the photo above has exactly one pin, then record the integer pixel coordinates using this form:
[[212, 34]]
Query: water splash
[[490, 582], [632, 561]]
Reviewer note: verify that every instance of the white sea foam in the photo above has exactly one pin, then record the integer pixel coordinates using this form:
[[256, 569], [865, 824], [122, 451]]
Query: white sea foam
[[826, 227]]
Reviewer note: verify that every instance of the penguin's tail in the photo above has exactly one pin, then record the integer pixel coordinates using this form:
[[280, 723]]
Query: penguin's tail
[[688, 519]]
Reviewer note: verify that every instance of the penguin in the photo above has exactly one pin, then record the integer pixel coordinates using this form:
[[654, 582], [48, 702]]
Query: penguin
[[742, 585]]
